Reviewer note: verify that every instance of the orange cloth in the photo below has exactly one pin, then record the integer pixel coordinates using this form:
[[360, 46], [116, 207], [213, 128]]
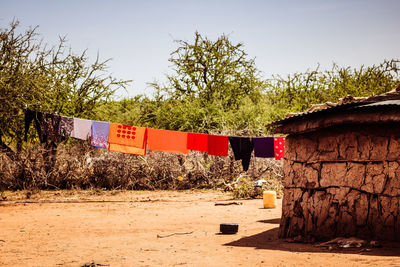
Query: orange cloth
[[167, 141], [127, 149], [127, 139]]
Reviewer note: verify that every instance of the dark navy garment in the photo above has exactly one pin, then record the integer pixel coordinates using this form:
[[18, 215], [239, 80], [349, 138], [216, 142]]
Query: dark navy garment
[[242, 148]]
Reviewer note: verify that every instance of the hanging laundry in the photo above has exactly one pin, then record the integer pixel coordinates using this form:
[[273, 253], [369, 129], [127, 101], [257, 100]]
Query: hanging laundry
[[127, 149], [197, 141], [242, 148], [263, 147], [279, 147], [66, 125], [168, 141], [50, 128], [218, 145], [127, 139], [100, 131], [31, 115], [82, 129], [47, 126]]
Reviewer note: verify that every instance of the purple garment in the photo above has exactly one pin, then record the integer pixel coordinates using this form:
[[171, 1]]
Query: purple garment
[[100, 134], [263, 147]]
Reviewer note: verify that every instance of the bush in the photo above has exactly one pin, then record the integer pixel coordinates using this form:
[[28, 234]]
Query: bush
[[80, 166]]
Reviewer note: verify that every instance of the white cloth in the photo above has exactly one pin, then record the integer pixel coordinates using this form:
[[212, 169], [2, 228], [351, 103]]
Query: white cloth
[[259, 183], [82, 129]]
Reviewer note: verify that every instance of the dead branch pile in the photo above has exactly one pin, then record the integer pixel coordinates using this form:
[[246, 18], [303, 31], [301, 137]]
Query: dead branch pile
[[82, 166]]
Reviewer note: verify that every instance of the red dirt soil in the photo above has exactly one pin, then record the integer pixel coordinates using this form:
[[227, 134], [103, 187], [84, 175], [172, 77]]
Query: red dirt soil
[[167, 228]]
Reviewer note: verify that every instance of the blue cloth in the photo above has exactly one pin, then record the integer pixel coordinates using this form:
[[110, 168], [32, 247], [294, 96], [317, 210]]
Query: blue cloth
[[100, 131]]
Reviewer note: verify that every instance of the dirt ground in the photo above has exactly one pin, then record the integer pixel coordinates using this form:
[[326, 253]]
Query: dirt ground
[[168, 228]]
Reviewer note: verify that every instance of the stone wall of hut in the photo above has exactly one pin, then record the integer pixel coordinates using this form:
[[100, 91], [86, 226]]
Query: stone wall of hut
[[342, 181]]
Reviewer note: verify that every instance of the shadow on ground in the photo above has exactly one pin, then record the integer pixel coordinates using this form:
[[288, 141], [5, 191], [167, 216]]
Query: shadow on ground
[[273, 221], [269, 240]]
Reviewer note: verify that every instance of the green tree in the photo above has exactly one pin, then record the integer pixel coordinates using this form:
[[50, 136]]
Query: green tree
[[210, 82], [298, 91], [213, 71], [48, 79], [214, 88]]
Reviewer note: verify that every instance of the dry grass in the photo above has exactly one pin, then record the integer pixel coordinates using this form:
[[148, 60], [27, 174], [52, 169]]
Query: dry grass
[[80, 166]]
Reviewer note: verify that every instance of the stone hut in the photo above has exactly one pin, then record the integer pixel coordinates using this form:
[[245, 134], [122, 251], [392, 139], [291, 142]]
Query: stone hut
[[342, 170]]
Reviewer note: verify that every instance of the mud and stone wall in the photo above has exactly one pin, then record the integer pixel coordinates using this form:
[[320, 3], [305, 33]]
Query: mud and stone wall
[[342, 181]]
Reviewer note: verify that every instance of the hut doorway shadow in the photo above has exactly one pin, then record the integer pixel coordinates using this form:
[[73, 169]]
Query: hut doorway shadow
[[269, 240]]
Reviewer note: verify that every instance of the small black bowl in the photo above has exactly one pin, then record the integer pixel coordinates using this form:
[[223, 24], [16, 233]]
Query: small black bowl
[[228, 228]]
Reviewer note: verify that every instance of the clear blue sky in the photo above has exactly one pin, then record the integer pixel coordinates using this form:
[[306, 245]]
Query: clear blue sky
[[284, 36]]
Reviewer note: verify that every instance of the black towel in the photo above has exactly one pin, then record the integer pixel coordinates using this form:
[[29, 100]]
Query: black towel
[[31, 115], [242, 148]]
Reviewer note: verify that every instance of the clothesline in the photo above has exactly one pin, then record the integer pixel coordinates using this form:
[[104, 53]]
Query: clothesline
[[135, 140]]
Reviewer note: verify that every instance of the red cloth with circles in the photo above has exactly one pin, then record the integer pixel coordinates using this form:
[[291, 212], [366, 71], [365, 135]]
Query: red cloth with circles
[[279, 147], [127, 139]]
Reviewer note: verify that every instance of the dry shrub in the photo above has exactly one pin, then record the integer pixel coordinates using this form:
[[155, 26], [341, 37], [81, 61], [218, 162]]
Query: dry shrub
[[80, 166], [244, 187]]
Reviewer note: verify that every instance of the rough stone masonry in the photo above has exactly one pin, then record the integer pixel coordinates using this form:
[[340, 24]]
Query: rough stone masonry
[[343, 181]]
